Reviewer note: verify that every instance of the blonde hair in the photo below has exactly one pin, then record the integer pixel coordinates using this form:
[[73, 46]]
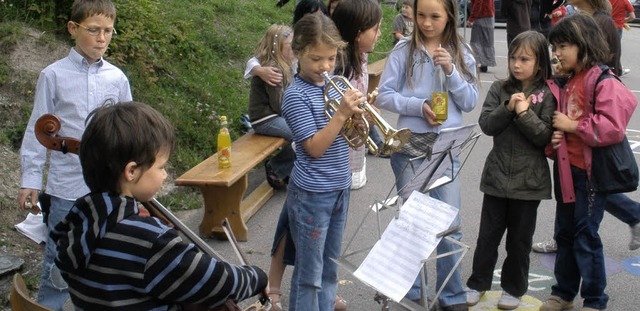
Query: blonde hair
[[269, 50]]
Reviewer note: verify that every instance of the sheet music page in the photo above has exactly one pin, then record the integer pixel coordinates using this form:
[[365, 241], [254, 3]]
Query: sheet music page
[[451, 138], [394, 262]]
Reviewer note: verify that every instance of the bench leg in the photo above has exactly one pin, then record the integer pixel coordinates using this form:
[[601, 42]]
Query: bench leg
[[221, 202]]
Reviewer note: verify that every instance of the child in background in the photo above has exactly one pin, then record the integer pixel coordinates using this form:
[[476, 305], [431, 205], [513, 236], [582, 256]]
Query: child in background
[[265, 101], [359, 24], [271, 75], [558, 13], [69, 88], [482, 24], [589, 114], [516, 175], [318, 192], [403, 22], [115, 259], [405, 88]]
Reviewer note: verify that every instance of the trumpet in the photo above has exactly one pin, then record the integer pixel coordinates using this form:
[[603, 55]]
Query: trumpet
[[356, 135]]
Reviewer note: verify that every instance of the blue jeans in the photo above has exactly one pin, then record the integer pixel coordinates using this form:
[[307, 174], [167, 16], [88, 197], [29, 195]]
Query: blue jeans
[[580, 257], [317, 221], [53, 291], [281, 163], [622, 207], [453, 292], [282, 231]]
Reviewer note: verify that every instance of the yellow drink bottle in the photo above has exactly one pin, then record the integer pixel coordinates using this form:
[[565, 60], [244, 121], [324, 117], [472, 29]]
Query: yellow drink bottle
[[224, 145], [439, 97]]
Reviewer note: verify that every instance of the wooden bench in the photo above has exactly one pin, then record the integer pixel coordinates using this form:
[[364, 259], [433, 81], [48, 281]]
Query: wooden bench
[[223, 189], [375, 71]]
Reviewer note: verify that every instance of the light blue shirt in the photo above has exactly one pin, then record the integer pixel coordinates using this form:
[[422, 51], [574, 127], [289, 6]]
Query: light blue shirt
[[395, 94], [70, 88]]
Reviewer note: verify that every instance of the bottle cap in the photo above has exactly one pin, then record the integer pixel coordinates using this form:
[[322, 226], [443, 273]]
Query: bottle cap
[[223, 118]]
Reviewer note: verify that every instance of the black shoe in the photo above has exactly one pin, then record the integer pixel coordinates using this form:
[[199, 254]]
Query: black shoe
[[273, 180], [483, 68], [456, 307]]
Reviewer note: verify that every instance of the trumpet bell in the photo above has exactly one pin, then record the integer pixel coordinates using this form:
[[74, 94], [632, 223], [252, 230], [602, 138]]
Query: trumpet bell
[[394, 140]]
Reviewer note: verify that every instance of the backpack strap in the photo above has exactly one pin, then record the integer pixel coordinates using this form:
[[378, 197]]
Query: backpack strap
[[606, 74]]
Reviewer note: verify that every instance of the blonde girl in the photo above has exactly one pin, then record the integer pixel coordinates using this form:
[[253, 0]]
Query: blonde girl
[[406, 85], [318, 191], [265, 100]]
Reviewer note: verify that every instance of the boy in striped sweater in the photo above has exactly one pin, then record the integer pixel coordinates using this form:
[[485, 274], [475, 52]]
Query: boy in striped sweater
[[113, 258]]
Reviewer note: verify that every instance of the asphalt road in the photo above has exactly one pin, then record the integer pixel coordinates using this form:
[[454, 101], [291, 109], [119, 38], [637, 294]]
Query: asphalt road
[[623, 266]]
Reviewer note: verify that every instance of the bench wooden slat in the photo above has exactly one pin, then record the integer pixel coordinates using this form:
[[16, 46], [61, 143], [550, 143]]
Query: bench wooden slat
[[223, 189]]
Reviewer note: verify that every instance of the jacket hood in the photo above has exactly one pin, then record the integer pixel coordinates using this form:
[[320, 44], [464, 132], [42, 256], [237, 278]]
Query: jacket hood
[[79, 233]]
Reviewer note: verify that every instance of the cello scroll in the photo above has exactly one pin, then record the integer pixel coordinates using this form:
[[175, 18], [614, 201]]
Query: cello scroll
[[46, 131]]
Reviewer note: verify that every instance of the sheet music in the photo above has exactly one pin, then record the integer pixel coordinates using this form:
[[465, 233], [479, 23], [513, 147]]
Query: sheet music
[[451, 138], [394, 262]]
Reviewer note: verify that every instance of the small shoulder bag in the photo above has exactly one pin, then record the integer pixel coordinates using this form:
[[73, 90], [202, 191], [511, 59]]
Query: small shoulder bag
[[613, 168]]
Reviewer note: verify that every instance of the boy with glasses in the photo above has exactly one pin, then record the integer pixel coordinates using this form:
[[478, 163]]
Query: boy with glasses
[[70, 88]]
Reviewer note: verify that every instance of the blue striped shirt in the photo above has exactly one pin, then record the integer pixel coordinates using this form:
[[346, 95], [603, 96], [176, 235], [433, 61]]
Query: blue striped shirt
[[303, 109], [70, 88]]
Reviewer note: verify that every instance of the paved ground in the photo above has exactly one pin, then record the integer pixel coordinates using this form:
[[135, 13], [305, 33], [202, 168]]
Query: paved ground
[[623, 266]]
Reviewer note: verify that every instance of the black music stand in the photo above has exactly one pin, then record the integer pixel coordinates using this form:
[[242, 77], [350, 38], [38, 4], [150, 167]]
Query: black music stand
[[451, 143]]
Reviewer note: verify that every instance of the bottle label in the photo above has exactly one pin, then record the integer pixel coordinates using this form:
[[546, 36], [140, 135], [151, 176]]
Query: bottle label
[[439, 106], [224, 158]]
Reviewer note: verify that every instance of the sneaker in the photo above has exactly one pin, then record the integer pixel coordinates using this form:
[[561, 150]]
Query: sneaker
[[589, 309], [635, 237], [625, 71], [473, 297], [555, 303], [548, 246], [508, 302]]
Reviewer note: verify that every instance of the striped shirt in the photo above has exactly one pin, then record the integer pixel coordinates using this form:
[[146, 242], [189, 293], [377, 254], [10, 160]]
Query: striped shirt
[[114, 259], [70, 88], [303, 109]]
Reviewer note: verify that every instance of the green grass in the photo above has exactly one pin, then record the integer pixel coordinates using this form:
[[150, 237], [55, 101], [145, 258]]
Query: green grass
[[184, 57]]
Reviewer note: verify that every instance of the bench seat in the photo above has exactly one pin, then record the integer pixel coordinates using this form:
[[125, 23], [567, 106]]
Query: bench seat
[[224, 190]]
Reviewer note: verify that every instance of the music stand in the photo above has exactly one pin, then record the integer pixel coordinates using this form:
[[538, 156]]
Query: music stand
[[451, 143]]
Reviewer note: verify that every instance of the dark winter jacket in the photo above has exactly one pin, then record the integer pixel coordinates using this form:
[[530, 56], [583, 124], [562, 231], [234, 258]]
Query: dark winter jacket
[[516, 167]]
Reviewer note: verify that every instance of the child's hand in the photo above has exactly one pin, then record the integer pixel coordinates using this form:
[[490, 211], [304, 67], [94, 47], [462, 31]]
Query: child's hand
[[429, 115], [28, 199], [270, 75], [561, 122], [556, 139], [350, 104], [516, 98], [443, 58]]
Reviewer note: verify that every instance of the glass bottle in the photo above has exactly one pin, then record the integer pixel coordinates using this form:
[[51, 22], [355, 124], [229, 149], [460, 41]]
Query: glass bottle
[[224, 145], [439, 97]]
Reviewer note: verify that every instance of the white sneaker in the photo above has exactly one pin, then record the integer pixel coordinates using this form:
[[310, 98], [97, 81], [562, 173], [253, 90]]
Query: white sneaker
[[508, 302], [548, 246], [473, 297], [625, 71], [635, 237]]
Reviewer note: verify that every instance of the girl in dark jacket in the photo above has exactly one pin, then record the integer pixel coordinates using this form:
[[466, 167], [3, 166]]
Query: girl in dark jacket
[[517, 114]]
